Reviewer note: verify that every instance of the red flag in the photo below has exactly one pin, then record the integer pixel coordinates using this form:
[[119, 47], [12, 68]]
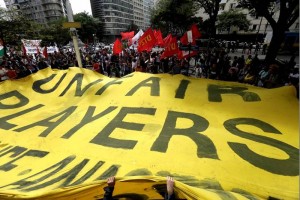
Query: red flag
[[146, 41], [190, 36], [170, 49], [158, 37], [127, 35], [45, 52], [195, 31], [167, 39], [117, 47]]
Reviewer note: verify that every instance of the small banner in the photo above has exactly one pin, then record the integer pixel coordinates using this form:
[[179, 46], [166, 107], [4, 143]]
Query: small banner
[[33, 47], [64, 132]]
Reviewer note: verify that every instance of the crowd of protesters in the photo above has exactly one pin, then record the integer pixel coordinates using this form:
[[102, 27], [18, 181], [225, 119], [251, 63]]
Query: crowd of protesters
[[212, 64]]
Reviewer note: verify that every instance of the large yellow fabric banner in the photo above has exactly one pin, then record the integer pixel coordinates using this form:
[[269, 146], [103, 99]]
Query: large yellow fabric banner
[[63, 133]]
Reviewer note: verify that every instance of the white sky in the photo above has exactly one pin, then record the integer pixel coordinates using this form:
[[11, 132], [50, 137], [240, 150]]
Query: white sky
[[77, 6], [80, 6]]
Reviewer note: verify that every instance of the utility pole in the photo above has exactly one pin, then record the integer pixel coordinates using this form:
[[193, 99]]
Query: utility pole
[[73, 33]]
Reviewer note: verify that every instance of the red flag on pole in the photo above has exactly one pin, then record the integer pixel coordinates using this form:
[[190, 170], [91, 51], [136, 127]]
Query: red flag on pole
[[117, 47], [158, 37], [146, 41], [190, 36], [127, 35], [170, 49], [167, 39], [45, 52]]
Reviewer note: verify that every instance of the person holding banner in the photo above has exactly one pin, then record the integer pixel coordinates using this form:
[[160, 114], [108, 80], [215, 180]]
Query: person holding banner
[[109, 189]]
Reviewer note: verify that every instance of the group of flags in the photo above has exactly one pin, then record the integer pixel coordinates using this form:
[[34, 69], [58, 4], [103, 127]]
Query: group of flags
[[145, 41]]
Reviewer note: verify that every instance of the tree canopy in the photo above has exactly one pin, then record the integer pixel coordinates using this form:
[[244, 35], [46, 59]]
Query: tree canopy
[[288, 14], [174, 16], [89, 27], [232, 18], [211, 7], [14, 26]]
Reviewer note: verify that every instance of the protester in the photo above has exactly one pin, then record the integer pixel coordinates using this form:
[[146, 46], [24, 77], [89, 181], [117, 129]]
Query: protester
[[213, 64]]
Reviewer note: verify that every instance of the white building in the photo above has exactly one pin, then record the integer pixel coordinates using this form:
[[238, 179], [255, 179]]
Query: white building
[[41, 12], [119, 14]]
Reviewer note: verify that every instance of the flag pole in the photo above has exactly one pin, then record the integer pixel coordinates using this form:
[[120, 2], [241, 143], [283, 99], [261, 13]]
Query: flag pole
[[74, 34]]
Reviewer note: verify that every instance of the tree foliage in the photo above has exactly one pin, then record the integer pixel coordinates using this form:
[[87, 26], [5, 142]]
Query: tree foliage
[[288, 14], [14, 27], [89, 27], [174, 16], [132, 27], [55, 33], [232, 18], [211, 7]]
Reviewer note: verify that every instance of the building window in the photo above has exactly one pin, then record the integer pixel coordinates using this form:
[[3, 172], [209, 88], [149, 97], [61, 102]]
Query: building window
[[254, 27]]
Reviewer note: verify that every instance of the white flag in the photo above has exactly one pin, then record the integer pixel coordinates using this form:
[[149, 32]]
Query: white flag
[[135, 39]]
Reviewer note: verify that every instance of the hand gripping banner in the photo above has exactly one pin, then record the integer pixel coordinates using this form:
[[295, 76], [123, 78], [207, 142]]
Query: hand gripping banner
[[64, 132]]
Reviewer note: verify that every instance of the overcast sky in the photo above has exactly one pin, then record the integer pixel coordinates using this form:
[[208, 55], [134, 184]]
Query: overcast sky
[[77, 6]]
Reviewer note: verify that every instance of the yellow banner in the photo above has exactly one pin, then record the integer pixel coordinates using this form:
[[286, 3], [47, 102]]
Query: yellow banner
[[63, 133]]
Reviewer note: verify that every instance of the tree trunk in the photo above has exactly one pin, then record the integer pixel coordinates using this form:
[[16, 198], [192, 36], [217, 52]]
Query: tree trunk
[[213, 18], [275, 44]]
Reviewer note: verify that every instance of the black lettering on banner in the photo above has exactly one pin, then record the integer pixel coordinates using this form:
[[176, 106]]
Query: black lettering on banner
[[15, 151], [47, 122], [79, 92], [114, 82], [102, 138], [18, 150], [37, 84], [13, 94], [287, 167], [3, 120], [42, 175], [111, 171], [67, 177], [88, 117], [88, 174], [205, 147], [155, 88], [5, 149], [180, 92], [215, 92]]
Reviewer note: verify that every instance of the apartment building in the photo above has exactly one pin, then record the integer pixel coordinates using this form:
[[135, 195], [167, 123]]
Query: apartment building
[[119, 14], [41, 11]]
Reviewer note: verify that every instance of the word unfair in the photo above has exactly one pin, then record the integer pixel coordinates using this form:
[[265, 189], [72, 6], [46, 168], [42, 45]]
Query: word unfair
[[205, 146]]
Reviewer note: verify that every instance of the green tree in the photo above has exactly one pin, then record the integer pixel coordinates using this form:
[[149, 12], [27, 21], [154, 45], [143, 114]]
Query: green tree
[[55, 33], [132, 27], [173, 16], [14, 27], [231, 18], [288, 14], [211, 7], [89, 27]]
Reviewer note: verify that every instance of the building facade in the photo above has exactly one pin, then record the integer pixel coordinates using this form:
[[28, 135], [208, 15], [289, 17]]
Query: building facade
[[41, 11], [259, 25], [118, 15]]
